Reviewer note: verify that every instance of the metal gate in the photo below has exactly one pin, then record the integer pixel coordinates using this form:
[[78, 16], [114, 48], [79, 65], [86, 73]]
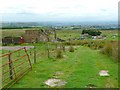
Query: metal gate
[[14, 67]]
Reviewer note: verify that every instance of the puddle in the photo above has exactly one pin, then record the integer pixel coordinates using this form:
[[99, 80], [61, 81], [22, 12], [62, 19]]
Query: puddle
[[103, 73], [55, 82]]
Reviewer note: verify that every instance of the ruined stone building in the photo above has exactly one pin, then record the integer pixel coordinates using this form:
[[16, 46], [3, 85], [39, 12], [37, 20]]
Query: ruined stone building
[[32, 36], [11, 40]]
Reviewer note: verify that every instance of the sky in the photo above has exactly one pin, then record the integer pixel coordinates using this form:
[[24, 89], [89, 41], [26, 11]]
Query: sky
[[58, 10]]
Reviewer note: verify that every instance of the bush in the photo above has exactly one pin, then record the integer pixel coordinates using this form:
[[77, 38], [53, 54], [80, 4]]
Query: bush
[[59, 53], [71, 49], [111, 49], [92, 32], [67, 43], [115, 51], [107, 49]]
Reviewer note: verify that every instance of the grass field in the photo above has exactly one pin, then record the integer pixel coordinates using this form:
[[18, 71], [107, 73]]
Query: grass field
[[64, 34], [80, 69]]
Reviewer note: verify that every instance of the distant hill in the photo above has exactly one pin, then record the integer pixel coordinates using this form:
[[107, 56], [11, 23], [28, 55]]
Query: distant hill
[[69, 25]]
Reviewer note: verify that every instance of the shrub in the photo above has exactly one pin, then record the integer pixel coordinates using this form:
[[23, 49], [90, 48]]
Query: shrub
[[111, 49], [115, 51], [59, 53], [71, 49], [67, 43], [91, 32], [107, 49]]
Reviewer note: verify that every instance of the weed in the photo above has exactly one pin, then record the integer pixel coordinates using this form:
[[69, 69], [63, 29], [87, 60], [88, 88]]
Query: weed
[[59, 53], [71, 49]]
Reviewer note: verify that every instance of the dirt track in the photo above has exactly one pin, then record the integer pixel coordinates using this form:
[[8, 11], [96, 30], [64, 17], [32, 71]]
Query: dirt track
[[15, 47]]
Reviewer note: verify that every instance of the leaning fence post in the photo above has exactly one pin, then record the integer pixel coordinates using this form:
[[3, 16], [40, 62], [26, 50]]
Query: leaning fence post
[[10, 65], [28, 57], [34, 54]]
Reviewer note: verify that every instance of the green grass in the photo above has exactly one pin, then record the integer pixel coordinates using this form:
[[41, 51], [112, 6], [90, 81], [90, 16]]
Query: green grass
[[66, 34], [14, 33], [109, 34], [17, 67], [80, 68]]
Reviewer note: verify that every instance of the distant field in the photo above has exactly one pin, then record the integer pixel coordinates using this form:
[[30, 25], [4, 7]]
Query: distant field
[[109, 33], [10, 32], [64, 34]]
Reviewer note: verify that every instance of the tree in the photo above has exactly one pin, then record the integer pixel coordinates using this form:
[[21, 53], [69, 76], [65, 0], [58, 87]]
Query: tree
[[92, 32]]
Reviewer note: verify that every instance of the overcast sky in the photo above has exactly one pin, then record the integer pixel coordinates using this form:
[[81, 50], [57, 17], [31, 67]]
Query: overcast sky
[[59, 10]]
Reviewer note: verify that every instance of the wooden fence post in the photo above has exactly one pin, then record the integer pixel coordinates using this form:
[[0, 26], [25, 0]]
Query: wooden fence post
[[34, 54], [55, 34], [10, 66], [56, 47], [48, 51]]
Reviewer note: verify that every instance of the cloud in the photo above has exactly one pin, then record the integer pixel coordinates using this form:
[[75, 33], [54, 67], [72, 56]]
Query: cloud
[[59, 9]]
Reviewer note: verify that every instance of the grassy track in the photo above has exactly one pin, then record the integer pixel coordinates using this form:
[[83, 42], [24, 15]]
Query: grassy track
[[80, 68]]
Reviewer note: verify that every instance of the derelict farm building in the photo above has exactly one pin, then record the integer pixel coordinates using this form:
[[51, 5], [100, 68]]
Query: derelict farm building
[[31, 36]]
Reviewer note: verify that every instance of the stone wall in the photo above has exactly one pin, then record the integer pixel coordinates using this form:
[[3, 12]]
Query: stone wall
[[31, 36]]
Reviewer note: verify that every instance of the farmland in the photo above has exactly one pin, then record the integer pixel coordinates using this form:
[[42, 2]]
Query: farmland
[[80, 68], [65, 34]]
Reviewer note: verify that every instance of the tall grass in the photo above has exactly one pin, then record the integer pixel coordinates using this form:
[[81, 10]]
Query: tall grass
[[59, 53], [109, 48], [71, 49], [116, 50]]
